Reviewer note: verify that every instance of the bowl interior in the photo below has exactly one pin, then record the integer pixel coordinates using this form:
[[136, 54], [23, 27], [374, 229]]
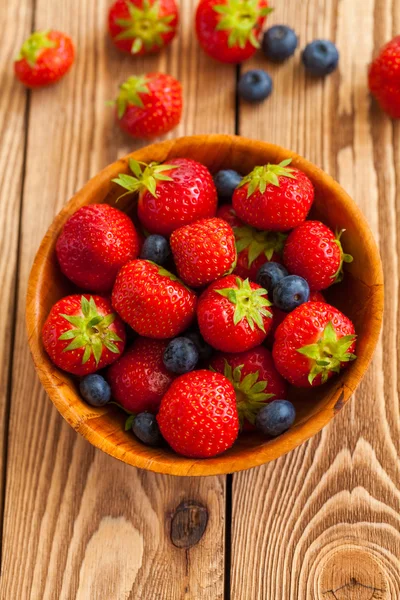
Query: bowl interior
[[360, 296]]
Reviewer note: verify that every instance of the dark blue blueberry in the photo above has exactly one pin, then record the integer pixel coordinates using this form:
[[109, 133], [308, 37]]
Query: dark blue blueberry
[[279, 42], [276, 417], [156, 248], [255, 85], [146, 429], [205, 351], [226, 182], [95, 390], [270, 274], [181, 355], [320, 57], [290, 292]]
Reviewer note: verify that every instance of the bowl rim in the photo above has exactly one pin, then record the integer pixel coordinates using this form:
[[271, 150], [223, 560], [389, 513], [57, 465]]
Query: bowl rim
[[49, 375]]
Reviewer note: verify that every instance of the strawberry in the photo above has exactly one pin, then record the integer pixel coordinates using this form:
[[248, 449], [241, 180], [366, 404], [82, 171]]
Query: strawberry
[[203, 251], [149, 105], [255, 379], [274, 197], [171, 195], [139, 378], [45, 57], [227, 213], [255, 248], [314, 252], [94, 244], [384, 78], [82, 334], [152, 300], [198, 415], [233, 314], [229, 30], [315, 297], [314, 341], [142, 26]]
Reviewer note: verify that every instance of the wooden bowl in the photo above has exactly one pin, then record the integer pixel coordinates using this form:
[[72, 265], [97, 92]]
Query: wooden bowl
[[360, 296]]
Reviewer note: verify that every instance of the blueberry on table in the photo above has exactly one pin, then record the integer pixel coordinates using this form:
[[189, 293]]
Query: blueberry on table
[[181, 355], [290, 292], [270, 274], [145, 428], [226, 181], [95, 390], [320, 58], [156, 248], [276, 417], [255, 85], [205, 351], [279, 42]]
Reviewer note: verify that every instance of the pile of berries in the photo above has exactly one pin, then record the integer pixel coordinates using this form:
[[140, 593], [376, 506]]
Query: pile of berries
[[197, 315]]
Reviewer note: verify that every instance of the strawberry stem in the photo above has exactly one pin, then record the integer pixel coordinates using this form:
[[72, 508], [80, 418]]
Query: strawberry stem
[[240, 18], [145, 26], [145, 177], [258, 242], [268, 174], [344, 258], [33, 46], [249, 304]]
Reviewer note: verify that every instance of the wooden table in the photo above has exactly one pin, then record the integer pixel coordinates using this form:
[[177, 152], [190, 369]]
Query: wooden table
[[321, 523]]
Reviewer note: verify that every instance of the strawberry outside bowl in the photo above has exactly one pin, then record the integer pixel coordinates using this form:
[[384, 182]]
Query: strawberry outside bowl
[[359, 296]]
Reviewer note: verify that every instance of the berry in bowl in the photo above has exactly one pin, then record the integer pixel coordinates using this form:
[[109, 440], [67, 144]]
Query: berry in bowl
[[204, 305]]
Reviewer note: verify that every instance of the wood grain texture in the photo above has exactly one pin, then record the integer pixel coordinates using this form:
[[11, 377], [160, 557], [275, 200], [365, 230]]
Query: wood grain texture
[[323, 522], [96, 528], [13, 100]]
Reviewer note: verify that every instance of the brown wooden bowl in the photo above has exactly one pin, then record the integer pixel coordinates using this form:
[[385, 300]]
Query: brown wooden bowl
[[360, 296]]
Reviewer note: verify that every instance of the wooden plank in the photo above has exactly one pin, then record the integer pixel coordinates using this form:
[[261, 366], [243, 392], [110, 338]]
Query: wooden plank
[[13, 102], [323, 522], [98, 528]]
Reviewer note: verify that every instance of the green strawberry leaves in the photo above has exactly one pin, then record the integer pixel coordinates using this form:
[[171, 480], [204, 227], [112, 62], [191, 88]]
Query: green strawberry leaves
[[33, 46], [328, 353], [145, 177], [258, 242], [240, 18], [129, 93], [145, 26], [249, 304], [90, 331], [344, 258], [261, 177]]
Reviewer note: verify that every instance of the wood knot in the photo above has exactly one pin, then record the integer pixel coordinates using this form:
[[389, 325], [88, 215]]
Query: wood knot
[[339, 403], [188, 524]]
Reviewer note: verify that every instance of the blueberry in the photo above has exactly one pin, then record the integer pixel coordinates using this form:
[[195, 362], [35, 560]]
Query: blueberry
[[181, 355], [205, 351], [290, 292], [255, 85], [279, 42], [276, 417], [156, 248], [146, 429], [320, 57], [226, 181], [270, 274], [95, 390]]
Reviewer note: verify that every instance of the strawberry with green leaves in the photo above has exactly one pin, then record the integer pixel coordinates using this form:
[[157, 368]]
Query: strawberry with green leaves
[[255, 379], [153, 301], [203, 251], [274, 197], [149, 105], [255, 248], [83, 334], [234, 315], [229, 30], [313, 342], [172, 194], [142, 26]]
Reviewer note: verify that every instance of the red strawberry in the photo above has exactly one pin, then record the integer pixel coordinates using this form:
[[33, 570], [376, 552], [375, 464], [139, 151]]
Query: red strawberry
[[82, 334], [171, 195], [203, 251], [384, 78], [314, 341], [314, 252], [149, 105], [198, 415], [227, 213], [274, 197], [152, 300], [255, 248], [314, 297], [45, 57], [229, 30], [94, 244], [142, 26], [233, 314], [139, 378], [255, 379]]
